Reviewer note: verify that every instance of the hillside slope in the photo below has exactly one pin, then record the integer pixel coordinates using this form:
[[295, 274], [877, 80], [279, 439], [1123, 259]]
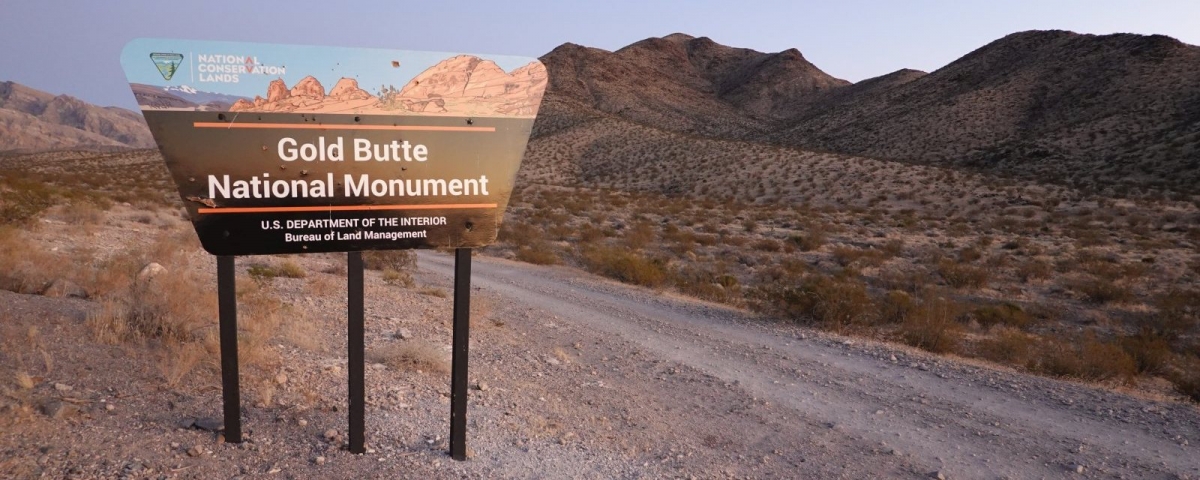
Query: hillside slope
[[687, 84], [31, 119], [1088, 110]]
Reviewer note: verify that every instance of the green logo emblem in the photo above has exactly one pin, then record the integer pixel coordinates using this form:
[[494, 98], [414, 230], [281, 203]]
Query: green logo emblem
[[167, 63]]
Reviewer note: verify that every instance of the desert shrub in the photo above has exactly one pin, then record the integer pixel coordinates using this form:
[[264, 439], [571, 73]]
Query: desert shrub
[[706, 284], [1101, 290], [1178, 311], [832, 302], [809, 241], [625, 265], [26, 267], [767, 245], [912, 281], [1008, 346], [1002, 314], [166, 307], [397, 278], [1034, 269], [516, 232], [846, 255], [933, 325], [291, 269], [23, 199], [541, 254], [1086, 358], [959, 275], [1151, 352], [639, 235], [411, 355], [589, 233], [82, 213], [398, 260], [896, 306], [893, 247], [1186, 377], [288, 269], [969, 254]]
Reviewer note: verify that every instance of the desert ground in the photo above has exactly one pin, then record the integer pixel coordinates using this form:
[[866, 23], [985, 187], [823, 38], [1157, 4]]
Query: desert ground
[[616, 334]]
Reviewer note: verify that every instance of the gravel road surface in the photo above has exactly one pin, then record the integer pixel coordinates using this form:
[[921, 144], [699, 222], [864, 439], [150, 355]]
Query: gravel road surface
[[867, 408]]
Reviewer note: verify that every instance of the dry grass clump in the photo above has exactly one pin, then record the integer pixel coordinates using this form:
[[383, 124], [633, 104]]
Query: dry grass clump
[[933, 325], [398, 260], [411, 355], [1003, 314], [625, 265], [286, 269], [169, 307], [896, 306], [23, 199], [397, 278], [539, 253], [834, 303], [810, 240], [1085, 358], [1101, 290], [701, 282], [24, 267], [962, 275], [1007, 346]]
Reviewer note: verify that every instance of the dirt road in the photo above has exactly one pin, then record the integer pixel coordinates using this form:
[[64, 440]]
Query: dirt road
[[828, 405]]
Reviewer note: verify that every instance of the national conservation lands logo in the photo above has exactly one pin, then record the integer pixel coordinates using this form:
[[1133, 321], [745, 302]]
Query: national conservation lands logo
[[167, 63]]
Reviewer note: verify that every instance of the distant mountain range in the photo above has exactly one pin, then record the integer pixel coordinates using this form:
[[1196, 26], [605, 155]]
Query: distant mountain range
[[1118, 112], [1113, 111], [32, 120]]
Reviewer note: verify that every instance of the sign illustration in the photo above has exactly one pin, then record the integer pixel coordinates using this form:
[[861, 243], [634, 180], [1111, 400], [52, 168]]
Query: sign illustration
[[292, 149]]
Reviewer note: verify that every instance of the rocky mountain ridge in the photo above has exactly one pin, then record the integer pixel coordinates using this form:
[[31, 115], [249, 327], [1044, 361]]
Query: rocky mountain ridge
[[31, 119], [1119, 113]]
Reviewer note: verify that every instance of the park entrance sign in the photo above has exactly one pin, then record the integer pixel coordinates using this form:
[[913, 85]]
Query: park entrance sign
[[293, 149]]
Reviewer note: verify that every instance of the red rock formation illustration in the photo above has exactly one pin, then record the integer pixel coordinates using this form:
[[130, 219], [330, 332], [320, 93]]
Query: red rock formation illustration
[[347, 89], [309, 87], [462, 85]]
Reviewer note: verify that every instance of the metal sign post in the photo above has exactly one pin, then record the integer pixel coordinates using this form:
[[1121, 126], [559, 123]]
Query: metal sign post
[[227, 305], [355, 350], [462, 341]]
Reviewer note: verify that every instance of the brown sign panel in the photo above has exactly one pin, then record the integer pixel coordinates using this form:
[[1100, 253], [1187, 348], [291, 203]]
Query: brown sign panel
[[269, 161]]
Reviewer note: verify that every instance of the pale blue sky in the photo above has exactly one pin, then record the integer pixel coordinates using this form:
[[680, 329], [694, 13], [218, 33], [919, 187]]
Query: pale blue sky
[[74, 46]]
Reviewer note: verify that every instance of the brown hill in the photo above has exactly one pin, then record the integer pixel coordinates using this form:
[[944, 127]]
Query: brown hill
[[1082, 109], [31, 119], [686, 84]]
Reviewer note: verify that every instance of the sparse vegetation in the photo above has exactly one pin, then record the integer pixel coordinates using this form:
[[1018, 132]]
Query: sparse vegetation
[[411, 355]]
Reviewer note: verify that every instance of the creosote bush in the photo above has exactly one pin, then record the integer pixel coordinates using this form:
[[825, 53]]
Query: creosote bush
[[1085, 358], [961, 275], [834, 303], [538, 254], [626, 266], [933, 325], [1002, 314]]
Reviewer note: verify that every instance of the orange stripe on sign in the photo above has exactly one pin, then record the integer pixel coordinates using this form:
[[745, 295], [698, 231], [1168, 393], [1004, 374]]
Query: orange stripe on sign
[[345, 208], [311, 126]]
